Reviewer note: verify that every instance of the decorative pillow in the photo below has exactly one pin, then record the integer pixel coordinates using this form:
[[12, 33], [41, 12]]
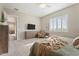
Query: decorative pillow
[[41, 34], [77, 46], [76, 42]]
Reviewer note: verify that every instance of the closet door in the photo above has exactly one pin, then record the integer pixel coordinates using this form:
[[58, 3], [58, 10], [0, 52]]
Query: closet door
[[3, 39]]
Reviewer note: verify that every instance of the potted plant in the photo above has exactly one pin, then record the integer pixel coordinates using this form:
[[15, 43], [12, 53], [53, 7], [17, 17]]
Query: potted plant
[[2, 19]]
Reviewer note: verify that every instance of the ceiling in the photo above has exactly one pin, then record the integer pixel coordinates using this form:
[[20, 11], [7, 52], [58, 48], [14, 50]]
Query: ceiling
[[34, 9]]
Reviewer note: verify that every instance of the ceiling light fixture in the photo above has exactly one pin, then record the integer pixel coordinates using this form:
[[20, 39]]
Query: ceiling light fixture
[[43, 5]]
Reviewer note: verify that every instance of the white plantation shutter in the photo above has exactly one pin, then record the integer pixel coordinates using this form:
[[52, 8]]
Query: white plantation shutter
[[59, 24], [65, 23]]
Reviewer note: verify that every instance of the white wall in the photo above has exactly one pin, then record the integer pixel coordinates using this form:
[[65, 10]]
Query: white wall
[[26, 19], [0, 10], [73, 21], [22, 20]]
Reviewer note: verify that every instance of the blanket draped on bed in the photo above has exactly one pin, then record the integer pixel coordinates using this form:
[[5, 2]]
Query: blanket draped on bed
[[44, 49], [40, 49]]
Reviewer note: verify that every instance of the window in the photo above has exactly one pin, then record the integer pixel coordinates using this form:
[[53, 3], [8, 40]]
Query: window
[[59, 24]]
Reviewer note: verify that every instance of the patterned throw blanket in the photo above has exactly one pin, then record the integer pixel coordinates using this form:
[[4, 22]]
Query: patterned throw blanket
[[44, 49]]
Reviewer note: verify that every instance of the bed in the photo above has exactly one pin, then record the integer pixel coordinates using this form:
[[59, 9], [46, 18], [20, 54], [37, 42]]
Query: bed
[[67, 50]]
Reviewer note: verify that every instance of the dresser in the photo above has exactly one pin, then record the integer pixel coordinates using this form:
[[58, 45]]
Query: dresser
[[30, 34], [3, 39]]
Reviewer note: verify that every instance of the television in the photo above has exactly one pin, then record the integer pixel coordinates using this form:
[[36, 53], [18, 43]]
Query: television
[[31, 26]]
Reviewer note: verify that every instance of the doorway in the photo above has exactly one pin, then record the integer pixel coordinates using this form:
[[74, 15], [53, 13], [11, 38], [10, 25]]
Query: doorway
[[12, 23]]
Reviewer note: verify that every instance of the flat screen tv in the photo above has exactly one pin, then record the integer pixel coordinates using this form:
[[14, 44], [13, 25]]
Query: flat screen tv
[[31, 26]]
